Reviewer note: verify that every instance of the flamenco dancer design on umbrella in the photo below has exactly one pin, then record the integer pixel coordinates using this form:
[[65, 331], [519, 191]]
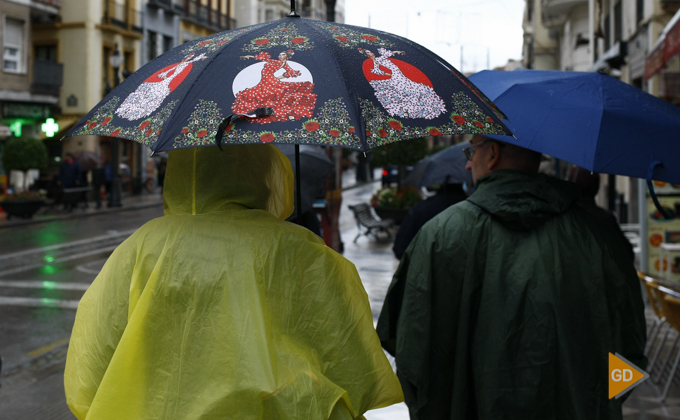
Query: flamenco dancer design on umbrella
[[264, 85], [402, 89], [151, 94]]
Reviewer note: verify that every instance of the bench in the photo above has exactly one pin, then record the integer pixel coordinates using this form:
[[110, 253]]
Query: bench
[[368, 224], [74, 195]]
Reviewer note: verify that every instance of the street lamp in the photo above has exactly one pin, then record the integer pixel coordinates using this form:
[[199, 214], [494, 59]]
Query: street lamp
[[116, 61]]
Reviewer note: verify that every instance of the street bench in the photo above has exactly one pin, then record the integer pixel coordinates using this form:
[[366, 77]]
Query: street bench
[[74, 195], [368, 224]]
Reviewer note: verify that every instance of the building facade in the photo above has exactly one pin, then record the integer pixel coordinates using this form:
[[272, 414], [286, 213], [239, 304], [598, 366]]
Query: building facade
[[617, 37], [31, 72]]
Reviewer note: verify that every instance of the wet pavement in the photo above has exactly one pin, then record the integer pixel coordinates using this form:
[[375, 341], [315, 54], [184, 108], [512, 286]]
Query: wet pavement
[[34, 351]]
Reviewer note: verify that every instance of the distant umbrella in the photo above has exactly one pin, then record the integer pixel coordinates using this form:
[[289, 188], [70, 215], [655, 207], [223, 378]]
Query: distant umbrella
[[315, 167], [444, 167], [86, 159]]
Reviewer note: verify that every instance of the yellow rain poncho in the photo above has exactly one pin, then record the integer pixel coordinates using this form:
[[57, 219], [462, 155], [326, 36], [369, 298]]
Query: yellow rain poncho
[[222, 310]]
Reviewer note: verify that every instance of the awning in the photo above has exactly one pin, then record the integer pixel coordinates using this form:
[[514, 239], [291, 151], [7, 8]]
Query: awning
[[667, 46], [65, 124]]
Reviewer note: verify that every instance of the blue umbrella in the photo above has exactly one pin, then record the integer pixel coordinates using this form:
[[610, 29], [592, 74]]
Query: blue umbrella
[[589, 119], [444, 167]]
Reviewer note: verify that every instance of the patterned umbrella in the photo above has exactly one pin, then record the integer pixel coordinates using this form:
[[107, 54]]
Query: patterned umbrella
[[296, 81]]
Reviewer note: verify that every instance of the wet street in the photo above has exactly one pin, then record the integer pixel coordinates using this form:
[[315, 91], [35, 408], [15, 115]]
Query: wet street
[[46, 267]]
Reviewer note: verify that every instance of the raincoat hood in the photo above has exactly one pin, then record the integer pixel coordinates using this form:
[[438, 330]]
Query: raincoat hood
[[206, 180], [521, 201]]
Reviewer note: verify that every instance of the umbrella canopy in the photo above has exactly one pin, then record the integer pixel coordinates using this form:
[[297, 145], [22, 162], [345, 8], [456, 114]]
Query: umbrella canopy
[[444, 167], [86, 160], [314, 168], [590, 119], [293, 80]]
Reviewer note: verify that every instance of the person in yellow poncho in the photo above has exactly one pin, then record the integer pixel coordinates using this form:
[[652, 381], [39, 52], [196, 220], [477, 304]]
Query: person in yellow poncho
[[222, 310]]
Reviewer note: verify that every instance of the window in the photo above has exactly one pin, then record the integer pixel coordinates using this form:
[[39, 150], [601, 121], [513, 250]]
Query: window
[[167, 43], [607, 37], [152, 46], [640, 10], [46, 53], [12, 55], [268, 15], [618, 22]]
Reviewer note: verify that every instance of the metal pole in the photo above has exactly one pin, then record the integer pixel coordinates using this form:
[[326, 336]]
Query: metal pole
[[298, 197], [642, 220], [114, 197]]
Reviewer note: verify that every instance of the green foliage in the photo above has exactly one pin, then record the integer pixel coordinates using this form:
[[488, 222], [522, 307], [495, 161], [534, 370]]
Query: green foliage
[[24, 154], [391, 198], [402, 153]]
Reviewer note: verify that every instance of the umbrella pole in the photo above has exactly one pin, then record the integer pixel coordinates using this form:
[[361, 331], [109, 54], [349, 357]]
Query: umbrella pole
[[298, 196]]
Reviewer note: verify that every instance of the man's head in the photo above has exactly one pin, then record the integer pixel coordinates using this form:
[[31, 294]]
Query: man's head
[[487, 155]]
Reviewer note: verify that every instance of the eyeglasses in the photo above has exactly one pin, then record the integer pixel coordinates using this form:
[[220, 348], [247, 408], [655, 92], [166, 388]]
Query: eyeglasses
[[470, 151]]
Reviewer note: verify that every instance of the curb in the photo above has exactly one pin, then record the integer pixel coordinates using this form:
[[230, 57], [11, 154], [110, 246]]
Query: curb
[[46, 219]]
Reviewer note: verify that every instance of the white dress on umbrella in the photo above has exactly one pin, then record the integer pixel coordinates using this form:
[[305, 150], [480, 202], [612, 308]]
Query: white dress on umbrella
[[150, 95], [401, 96]]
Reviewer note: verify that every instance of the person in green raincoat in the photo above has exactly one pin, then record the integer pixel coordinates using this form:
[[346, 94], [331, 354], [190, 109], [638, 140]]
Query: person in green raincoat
[[222, 310], [506, 305]]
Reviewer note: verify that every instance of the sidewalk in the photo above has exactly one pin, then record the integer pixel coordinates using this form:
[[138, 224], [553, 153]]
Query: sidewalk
[[54, 213]]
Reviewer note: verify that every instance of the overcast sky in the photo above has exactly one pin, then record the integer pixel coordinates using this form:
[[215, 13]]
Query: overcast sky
[[487, 30]]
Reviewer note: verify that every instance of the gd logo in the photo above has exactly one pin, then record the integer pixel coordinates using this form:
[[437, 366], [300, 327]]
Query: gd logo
[[623, 375]]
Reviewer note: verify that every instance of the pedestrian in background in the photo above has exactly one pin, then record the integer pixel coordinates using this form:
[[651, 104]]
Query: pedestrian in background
[[162, 165], [222, 310], [589, 184], [507, 305], [446, 196], [98, 181], [69, 177]]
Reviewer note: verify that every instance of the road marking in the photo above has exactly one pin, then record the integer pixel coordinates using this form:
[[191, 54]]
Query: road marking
[[38, 302], [37, 284], [111, 235], [48, 347], [59, 260]]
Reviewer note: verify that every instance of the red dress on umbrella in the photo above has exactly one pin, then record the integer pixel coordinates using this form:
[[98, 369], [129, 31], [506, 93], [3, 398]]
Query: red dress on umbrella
[[289, 100]]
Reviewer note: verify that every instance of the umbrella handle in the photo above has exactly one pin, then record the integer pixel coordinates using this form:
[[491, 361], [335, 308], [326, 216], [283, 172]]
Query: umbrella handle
[[259, 112], [650, 186]]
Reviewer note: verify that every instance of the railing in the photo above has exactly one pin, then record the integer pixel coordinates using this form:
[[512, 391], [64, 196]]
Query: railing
[[117, 14], [55, 3], [48, 77], [203, 14]]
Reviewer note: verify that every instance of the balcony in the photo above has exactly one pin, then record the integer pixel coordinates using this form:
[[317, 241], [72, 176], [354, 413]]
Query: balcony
[[560, 7], [118, 15], [170, 6], [47, 77], [45, 11], [203, 15]]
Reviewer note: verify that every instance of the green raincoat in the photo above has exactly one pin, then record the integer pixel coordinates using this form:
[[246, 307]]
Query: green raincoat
[[222, 310], [506, 306]]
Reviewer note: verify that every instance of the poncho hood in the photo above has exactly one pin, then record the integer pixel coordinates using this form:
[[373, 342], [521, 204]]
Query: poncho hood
[[520, 201], [204, 180]]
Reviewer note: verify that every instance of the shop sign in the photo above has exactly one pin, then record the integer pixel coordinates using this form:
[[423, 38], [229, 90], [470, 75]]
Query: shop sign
[[672, 42], [654, 63], [25, 110]]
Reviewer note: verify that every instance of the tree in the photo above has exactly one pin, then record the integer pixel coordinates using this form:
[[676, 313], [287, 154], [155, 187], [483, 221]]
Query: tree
[[24, 154], [401, 153]]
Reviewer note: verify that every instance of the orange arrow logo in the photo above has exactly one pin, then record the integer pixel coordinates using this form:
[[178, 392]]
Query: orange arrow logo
[[623, 375]]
